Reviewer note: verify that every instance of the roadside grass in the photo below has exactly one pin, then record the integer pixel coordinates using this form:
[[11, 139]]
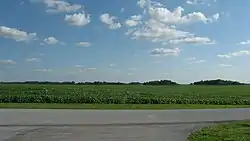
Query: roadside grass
[[116, 106], [234, 131]]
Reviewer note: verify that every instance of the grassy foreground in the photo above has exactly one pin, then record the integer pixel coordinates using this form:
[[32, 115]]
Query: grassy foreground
[[235, 131], [116, 106]]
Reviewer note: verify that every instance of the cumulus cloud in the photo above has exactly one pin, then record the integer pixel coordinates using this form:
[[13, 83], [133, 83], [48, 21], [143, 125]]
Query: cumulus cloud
[[59, 6], [83, 44], [192, 40], [78, 19], [142, 3], [165, 52], [234, 54], [7, 62], [161, 25], [157, 32], [194, 2], [33, 60], [176, 17], [110, 21], [16, 34], [51, 40], [134, 20]]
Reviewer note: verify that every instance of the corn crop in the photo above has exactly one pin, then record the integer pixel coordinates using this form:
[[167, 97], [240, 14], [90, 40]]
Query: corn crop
[[107, 95]]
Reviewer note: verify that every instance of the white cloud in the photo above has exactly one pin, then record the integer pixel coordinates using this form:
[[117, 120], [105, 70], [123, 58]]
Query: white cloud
[[83, 44], [16, 34], [51, 40], [247, 42], [225, 65], [33, 59], [7, 62], [216, 16], [165, 52], [165, 15], [234, 54], [241, 53], [78, 19], [58, 6], [224, 56], [193, 60], [142, 3], [43, 70], [194, 2], [192, 40], [134, 20], [199, 2], [156, 31], [109, 20], [161, 24]]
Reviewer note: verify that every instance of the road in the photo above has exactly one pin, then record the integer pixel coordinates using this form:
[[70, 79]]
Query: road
[[109, 125]]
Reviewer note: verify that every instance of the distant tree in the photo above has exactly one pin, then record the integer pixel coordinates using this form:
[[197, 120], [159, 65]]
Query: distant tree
[[134, 83], [160, 82], [217, 82]]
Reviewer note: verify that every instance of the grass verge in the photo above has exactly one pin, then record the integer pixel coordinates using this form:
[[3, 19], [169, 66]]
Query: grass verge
[[115, 106], [234, 131]]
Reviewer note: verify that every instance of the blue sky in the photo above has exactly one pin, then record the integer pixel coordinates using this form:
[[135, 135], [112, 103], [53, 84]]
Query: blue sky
[[118, 40]]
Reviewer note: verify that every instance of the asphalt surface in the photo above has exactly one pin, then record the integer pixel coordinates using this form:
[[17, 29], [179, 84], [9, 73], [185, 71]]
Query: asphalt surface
[[109, 125]]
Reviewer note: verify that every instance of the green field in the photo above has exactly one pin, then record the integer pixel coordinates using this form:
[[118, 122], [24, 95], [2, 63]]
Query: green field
[[234, 131], [124, 94]]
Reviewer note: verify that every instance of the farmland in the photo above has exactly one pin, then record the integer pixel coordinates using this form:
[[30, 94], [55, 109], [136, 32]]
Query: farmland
[[124, 94]]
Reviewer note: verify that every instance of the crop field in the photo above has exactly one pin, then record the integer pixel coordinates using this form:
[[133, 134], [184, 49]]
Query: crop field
[[124, 94]]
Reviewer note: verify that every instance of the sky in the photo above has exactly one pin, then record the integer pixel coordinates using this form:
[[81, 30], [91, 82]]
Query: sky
[[124, 40]]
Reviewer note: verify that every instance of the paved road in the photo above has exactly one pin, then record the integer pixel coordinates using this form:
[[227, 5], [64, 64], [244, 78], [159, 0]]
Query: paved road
[[109, 125]]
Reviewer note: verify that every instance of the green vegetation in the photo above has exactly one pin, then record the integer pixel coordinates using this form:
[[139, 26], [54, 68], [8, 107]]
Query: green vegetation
[[235, 131], [159, 82], [217, 82], [116, 106], [124, 94], [153, 83]]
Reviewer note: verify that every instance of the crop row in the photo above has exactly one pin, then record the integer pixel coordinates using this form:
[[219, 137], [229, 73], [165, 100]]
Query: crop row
[[121, 99]]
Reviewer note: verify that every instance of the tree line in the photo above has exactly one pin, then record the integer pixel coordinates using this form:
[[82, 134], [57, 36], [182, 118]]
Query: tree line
[[157, 82], [217, 82]]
